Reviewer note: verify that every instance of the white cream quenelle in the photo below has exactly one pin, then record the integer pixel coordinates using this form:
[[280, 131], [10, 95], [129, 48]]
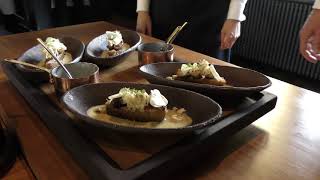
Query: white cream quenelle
[[114, 38], [157, 99], [55, 46]]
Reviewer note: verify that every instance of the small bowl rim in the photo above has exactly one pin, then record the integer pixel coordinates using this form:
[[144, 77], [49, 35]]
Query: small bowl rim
[[151, 43], [70, 64]]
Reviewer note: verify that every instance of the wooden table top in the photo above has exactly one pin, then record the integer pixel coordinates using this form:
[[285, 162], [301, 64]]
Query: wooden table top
[[283, 144]]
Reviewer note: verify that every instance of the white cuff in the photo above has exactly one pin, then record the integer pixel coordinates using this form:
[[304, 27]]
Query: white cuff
[[316, 4], [143, 5], [236, 9]]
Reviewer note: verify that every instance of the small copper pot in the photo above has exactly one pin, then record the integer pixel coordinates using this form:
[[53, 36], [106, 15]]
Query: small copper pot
[[155, 52], [82, 73]]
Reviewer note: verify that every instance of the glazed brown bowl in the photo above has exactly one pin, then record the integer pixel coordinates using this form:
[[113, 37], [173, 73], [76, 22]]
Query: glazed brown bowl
[[78, 100], [35, 54], [98, 45], [241, 81]]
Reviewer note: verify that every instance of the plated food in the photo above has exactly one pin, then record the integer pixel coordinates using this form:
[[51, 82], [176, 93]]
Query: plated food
[[143, 108], [69, 49], [225, 81], [135, 107], [110, 48], [202, 72], [58, 49], [115, 45]]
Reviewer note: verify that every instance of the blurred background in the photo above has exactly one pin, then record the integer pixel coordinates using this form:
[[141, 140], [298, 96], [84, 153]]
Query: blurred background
[[268, 43]]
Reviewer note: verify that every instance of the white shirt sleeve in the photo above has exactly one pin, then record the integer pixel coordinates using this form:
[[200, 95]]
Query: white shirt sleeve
[[316, 4], [236, 9], [143, 5]]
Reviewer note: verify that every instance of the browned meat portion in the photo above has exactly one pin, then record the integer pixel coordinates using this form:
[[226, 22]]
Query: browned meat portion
[[115, 108], [116, 47]]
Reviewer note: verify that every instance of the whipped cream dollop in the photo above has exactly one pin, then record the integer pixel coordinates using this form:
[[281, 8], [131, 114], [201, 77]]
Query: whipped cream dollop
[[55, 46], [139, 99], [114, 38], [199, 70], [157, 99]]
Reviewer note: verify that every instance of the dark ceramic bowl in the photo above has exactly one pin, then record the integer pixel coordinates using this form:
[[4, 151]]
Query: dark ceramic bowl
[[98, 44], [80, 99], [243, 82], [34, 55]]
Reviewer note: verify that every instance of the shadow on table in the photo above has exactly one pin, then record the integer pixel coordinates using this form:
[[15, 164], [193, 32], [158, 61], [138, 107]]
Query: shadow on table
[[218, 152]]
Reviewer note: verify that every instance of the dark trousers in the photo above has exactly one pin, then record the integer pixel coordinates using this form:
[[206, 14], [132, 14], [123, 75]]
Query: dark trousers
[[205, 20]]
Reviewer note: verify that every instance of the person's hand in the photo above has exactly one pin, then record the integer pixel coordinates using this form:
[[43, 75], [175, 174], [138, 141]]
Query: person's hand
[[144, 23], [230, 33], [310, 37]]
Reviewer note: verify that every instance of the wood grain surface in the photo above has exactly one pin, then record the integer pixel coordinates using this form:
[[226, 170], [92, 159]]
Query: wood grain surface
[[283, 144]]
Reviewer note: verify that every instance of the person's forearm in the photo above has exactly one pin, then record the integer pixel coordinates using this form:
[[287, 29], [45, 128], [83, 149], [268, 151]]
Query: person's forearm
[[236, 9], [143, 5], [316, 4]]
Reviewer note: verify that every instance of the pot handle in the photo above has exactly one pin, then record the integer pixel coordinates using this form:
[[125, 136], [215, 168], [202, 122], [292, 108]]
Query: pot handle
[[27, 64]]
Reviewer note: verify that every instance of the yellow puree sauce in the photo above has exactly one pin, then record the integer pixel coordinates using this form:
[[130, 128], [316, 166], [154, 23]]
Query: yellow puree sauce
[[173, 119]]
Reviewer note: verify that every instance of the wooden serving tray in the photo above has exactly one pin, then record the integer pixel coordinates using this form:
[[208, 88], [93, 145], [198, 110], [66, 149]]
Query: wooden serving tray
[[111, 155]]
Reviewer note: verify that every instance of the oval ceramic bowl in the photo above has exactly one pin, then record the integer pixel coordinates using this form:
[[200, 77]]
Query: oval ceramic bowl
[[98, 44], [241, 82], [80, 99], [35, 54]]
